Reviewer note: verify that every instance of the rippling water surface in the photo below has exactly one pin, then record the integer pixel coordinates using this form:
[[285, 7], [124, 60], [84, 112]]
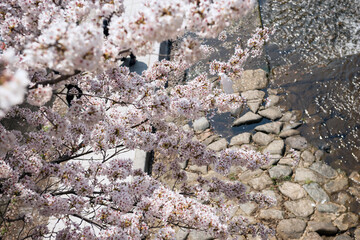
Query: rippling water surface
[[314, 56]]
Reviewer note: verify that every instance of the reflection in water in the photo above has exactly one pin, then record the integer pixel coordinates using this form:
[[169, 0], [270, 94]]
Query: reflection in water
[[314, 56]]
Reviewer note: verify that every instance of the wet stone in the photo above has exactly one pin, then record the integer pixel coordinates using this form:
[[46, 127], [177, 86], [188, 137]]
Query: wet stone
[[280, 171], [307, 175], [261, 182], [253, 95], [211, 139], [346, 221], [250, 80], [275, 147], [337, 185], [272, 100], [272, 113], [240, 139], [330, 208], [322, 228], [247, 118], [319, 154], [343, 198], [294, 125], [262, 138], [201, 124], [324, 169], [300, 208], [292, 190], [269, 214], [354, 191], [355, 176], [273, 127], [296, 142], [236, 112], [288, 116], [289, 133], [254, 105], [316, 192], [291, 228], [218, 145]]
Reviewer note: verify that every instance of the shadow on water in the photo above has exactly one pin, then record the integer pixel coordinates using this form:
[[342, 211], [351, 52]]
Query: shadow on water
[[222, 124]]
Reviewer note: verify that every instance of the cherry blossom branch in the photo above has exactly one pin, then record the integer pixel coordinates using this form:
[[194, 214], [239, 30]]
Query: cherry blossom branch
[[56, 80]]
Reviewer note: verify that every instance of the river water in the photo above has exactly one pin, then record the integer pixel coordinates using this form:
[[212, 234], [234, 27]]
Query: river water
[[314, 59]]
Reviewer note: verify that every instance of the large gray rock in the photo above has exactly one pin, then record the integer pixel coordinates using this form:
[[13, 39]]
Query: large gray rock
[[247, 175], [273, 127], [292, 190], [300, 208], [261, 182], [330, 208], [288, 116], [240, 139], [271, 194], [250, 80], [275, 147], [304, 175], [316, 192], [272, 160], [254, 105], [218, 145], [291, 125], [280, 171], [198, 169], [199, 235], [323, 228], [324, 169], [296, 142], [346, 221], [248, 208], [247, 118], [272, 100], [262, 138], [253, 95], [289, 133], [343, 237], [269, 214], [291, 228], [289, 161], [308, 158], [311, 236], [272, 113], [254, 99], [201, 124], [337, 184]]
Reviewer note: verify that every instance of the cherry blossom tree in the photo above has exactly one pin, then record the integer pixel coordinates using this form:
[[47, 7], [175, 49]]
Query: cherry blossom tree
[[60, 50]]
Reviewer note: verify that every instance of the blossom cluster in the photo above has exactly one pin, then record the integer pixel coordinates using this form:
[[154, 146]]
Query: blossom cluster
[[66, 164]]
